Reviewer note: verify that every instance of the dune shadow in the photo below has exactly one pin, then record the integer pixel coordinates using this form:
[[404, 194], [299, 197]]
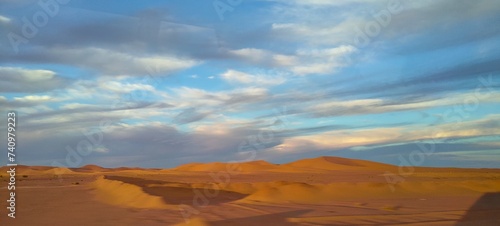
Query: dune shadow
[[267, 219], [183, 194], [485, 211]]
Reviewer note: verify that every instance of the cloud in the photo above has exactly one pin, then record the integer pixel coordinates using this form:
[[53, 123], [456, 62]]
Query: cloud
[[399, 90], [152, 144], [114, 44], [20, 80], [430, 28], [36, 99], [339, 139], [322, 61], [192, 97], [189, 115], [328, 24], [332, 34], [119, 87], [235, 76], [348, 138], [4, 19], [118, 63], [303, 62], [375, 106], [144, 31], [263, 57]]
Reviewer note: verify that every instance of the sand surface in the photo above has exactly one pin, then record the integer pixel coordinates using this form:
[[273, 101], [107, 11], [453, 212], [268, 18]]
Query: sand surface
[[320, 191]]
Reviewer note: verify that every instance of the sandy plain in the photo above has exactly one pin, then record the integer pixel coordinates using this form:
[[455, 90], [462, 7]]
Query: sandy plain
[[318, 191]]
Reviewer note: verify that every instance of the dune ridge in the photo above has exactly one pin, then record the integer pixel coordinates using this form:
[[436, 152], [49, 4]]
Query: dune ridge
[[326, 163], [38, 170], [124, 194], [323, 163], [337, 163], [252, 166]]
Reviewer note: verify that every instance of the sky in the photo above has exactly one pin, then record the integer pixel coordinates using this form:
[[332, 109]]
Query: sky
[[164, 83]]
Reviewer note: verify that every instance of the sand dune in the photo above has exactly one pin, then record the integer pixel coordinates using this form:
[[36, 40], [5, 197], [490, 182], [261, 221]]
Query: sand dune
[[22, 170], [318, 191], [337, 163], [90, 169], [218, 166], [304, 165], [124, 194], [279, 192]]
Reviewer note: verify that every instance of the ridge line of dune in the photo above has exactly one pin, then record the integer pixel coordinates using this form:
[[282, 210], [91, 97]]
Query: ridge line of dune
[[119, 193]]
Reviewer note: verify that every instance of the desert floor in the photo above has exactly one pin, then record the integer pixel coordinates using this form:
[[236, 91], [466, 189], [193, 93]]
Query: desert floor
[[320, 191]]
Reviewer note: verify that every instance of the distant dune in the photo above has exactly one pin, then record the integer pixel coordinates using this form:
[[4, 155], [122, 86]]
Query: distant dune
[[327, 163], [243, 166], [337, 163], [304, 165]]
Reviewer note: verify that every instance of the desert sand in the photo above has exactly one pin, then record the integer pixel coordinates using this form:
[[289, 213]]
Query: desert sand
[[318, 191]]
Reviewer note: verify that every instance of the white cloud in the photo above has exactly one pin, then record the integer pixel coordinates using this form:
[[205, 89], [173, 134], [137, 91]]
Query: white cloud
[[4, 19], [110, 89], [32, 98], [16, 79], [343, 22], [72, 106], [120, 87], [185, 97], [305, 61], [244, 78], [101, 149], [323, 61], [339, 139], [374, 106], [110, 62], [27, 75], [265, 57]]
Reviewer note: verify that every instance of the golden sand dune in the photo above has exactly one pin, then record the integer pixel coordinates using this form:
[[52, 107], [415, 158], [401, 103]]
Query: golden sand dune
[[90, 169], [279, 192], [124, 194], [305, 165], [37, 170], [128, 169], [319, 191], [283, 191], [336, 163], [219, 166]]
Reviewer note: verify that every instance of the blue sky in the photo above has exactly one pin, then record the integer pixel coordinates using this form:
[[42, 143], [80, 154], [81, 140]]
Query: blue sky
[[162, 83]]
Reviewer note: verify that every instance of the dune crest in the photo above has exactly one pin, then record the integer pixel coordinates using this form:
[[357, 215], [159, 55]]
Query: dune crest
[[337, 163], [252, 166], [126, 195], [303, 165]]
